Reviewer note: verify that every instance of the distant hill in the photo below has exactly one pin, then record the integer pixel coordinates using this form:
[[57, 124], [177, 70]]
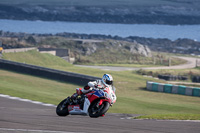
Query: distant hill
[[106, 50], [62, 40], [171, 12]]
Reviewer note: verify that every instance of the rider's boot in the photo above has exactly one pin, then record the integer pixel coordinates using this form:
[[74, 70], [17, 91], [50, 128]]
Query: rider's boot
[[75, 95]]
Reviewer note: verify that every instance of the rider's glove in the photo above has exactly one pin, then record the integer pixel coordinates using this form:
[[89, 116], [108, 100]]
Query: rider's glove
[[95, 86]]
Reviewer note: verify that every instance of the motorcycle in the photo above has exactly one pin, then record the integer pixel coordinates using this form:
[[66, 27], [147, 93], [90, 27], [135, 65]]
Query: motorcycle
[[95, 103]]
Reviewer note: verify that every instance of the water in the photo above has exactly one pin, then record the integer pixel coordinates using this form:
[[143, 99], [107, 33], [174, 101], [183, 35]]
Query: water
[[122, 30]]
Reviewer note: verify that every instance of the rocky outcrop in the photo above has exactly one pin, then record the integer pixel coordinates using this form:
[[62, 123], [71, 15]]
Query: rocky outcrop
[[183, 46], [109, 45], [80, 46], [137, 48]]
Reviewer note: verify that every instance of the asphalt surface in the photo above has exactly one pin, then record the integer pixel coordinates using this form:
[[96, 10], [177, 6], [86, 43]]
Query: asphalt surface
[[191, 63], [25, 117]]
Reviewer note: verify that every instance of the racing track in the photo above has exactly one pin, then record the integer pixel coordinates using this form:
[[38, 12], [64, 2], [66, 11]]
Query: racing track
[[25, 117], [191, 63]]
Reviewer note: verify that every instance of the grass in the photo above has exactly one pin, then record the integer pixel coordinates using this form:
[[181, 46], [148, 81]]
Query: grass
[[125, 58], [47, 60], [125, 65], [33, 57], [115, 56], [34, 88], [132, 98], [147, 62], [179, 71], [171, 117], [189, 73]]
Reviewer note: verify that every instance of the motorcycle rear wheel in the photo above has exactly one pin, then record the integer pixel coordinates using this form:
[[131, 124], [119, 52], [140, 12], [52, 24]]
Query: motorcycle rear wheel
[[96, 111], [61, 109]]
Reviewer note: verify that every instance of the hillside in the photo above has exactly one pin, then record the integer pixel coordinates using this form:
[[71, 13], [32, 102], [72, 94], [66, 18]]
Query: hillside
[[72, 40], [35, 58], [84, 51], [105, 11]]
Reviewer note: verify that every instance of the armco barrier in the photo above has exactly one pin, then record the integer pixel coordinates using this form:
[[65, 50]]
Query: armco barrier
[[174, 89], [46, 72]]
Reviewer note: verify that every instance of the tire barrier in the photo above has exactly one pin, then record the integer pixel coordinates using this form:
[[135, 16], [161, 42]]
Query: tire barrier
[[49, 73], [196, 79], [174, 89], [172, 77]]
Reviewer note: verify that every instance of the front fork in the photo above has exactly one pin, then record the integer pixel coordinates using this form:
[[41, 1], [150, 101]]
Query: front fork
[[86, 105], [101, 101]]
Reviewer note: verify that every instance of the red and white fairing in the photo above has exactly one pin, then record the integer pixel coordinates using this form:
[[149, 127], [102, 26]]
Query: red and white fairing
[[108, 93], [76, 110]]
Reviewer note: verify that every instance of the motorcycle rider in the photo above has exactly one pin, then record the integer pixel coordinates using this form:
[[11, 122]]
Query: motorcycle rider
[[105, 83]]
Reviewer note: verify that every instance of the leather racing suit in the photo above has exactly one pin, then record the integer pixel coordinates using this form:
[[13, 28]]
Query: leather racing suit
[[98, 84]]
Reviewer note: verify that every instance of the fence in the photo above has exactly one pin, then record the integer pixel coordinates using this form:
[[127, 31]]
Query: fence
[[174, 89], [46, 72]]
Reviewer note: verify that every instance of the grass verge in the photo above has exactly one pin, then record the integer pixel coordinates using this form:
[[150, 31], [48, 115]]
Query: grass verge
[[171, 117]]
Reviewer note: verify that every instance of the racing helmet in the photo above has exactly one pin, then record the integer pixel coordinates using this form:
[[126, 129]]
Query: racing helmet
[[107, 79]]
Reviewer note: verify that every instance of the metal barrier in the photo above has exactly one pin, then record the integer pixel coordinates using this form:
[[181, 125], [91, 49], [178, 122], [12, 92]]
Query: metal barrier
[[49, 73]]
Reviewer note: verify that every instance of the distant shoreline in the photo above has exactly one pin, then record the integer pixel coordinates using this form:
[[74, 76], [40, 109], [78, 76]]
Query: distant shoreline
[[136, 12], [181, 46]]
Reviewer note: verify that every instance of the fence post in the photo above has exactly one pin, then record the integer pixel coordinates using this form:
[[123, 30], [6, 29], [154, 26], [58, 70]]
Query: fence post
[[196, 63], [169, 61]]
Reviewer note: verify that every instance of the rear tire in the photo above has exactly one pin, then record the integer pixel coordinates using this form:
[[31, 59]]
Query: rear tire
[[96, 111], [62, 110]]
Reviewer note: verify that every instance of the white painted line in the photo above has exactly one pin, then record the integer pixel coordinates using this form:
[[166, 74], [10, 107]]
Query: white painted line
[[27, 100], [36, 131], [36, 102]]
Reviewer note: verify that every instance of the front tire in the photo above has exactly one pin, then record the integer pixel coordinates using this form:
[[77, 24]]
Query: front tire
[[95, 110], [62, 108]]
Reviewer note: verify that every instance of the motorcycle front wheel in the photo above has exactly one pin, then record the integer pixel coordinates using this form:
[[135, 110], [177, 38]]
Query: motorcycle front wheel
[[97, 110], [62, 108]]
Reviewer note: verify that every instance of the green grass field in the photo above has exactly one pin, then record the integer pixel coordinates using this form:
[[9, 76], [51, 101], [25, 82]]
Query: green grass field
[[132, 97]]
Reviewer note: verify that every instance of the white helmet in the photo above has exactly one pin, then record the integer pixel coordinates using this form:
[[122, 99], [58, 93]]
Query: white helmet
[[107, 79]]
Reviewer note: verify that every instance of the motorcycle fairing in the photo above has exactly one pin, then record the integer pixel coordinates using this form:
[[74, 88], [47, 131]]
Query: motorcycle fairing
[[76, 110], [94, 95]]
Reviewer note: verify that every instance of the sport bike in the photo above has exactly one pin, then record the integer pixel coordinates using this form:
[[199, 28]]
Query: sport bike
[[95, 103]]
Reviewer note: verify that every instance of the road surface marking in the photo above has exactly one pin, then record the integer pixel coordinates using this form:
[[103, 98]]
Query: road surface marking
[[27, 100], [36, 131]]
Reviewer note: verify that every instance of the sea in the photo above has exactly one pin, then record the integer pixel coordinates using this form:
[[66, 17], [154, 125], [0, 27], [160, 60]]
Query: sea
[[171, 32]]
